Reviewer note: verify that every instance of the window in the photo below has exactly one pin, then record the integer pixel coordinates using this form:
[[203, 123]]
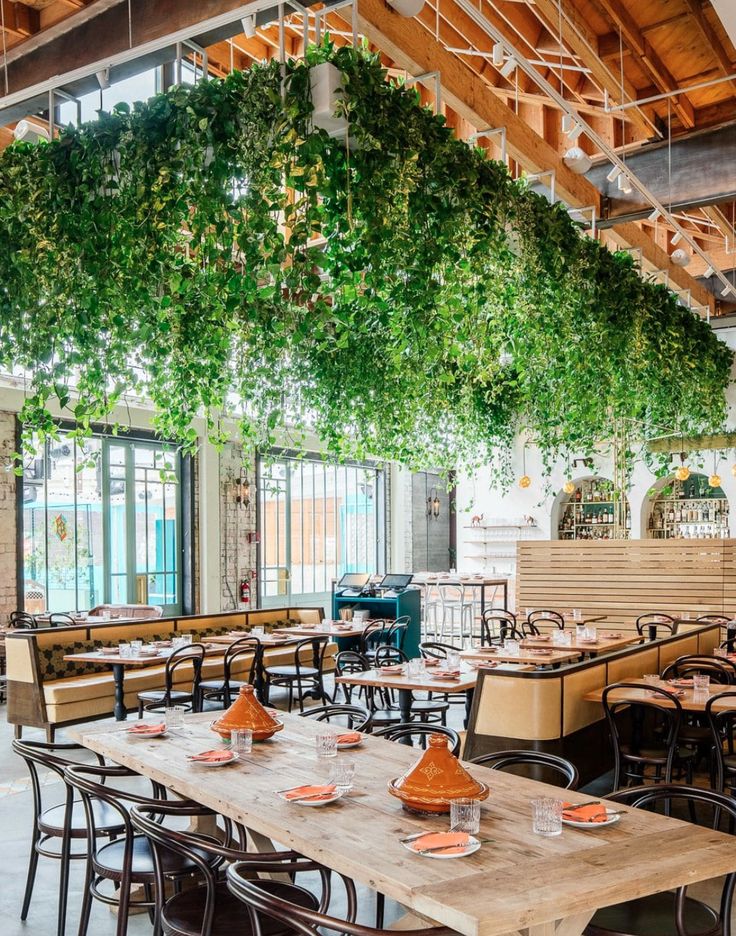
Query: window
[[102, 525], [317, 521]]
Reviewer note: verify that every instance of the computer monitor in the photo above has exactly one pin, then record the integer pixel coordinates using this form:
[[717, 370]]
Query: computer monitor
[[353, 580], [395, 581]]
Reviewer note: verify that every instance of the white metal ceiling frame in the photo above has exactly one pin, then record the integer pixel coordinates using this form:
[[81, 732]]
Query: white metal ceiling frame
[[526, 66]]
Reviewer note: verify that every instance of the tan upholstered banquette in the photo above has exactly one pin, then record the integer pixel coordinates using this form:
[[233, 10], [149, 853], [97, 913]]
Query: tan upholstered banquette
[[545, 709], [45, 691]]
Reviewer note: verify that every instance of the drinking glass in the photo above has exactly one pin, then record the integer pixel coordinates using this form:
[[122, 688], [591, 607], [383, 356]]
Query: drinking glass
[[580, 631], [511, 647], [124, 649], [257, 631], [701, 682], [651, 679], [577, 614], [453, 659], [342, 773], [720, 652], [414, 667], [186, 639], [177, 641], [241, 740], [547, 816], [326, 743], [590, 633], [175, 716], [465, 815], [135, 647]]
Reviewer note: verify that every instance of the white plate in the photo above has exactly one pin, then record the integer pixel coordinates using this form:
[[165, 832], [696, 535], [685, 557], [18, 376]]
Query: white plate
[[235, 757], [313, 802], [351, 744], [613, 817], [145, 734], [472, 847]]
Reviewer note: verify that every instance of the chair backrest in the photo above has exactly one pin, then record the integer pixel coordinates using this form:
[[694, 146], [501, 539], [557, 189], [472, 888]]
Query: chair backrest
[[47, 756], [355, 717], [496, 626], [721, 619], [265, 899], [721, 721], [721, 671], [540, 615], [436, 651], [656, 621], [240, 648], [22, 620], [668, 715], [534, 764], [397, 632], [374, 634], [190, 654], [420, 732], [310, 642], [61, 619], [350, 661], [452, 594], [389, 656]]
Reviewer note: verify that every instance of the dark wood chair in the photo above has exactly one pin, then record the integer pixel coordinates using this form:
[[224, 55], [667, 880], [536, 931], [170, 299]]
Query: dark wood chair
[[156, 699], [431, 650], [61, 619], [129, 859], [720, 670], [212, 909], [22, 620], [408, 732], [547, 768], [540, 615], [57, 827], [270, 911], [301, 676], [226, 687], [429, 710], [651, 738], [671, 912], [722, 723], [650, 625], [354, 717], [496, 624]]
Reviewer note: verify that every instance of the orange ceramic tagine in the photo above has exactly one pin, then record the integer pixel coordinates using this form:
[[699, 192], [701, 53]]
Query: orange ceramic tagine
[[436, 778], [247, 712]]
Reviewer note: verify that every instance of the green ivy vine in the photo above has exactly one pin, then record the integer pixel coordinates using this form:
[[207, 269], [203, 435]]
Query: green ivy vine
[[399, 295]]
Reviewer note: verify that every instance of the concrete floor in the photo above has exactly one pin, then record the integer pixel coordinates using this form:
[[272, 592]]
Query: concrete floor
[[15, 832]]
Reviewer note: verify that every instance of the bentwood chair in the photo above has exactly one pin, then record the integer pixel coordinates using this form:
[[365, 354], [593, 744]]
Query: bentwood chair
[[211, 909], [128, 860], [271, 910], [650, 625], [427, 710], [408, 732], [540, 615], [722, 723], [720, 670], [153, 700], [652, 736], [348, 662], [22, 620], [61, 619], [226, 687], [672, 912], [62, 824], [496, 626], [432, 650], [373, 636], [300, 676], [354, 717], [547, 768]]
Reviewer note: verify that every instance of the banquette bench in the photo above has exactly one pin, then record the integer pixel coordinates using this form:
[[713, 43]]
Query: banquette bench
[[545, 709], [44, 691]]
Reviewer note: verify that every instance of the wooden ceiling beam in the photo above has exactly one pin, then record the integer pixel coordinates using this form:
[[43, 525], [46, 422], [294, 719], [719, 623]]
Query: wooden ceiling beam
[[407, 43], [619, 15], [716, 215], [711, 39]]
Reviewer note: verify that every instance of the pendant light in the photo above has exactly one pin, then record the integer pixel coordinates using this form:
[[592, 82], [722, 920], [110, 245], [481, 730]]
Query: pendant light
[[715, 479], [683, 472], [524, 480], [569, 486]]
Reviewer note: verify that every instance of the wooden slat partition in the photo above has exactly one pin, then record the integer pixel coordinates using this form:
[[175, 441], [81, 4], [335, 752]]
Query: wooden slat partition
[[626, 578]]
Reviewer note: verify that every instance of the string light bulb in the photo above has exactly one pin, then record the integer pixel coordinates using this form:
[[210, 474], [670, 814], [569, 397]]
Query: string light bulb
[[524, 481], [714, 480]]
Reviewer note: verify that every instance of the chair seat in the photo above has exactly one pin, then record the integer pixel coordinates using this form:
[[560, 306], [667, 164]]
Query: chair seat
[[385, 717], [109, 861], [176, 695], [427, 706], [291, 671], [183, 913], [651, 915], [694, 733], [107, 820], [217, 685]]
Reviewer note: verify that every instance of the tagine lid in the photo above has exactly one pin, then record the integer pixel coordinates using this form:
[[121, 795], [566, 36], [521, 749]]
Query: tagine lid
[[438, 776], [247, 712]]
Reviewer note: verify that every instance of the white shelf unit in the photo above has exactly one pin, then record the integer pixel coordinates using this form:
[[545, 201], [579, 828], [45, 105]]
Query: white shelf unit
[[493, 544]]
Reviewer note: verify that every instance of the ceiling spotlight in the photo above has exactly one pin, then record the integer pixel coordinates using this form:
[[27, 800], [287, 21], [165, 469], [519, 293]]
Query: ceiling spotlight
[[575, 132], [726, 291], [680, 257], [654, 215], [677, 238], [27, 132], [708, 272], [577, 160], [249, 26], [497, 58], [508, 67], [103, 78], [624, 185], [407, 8], [614, 174], [567, 123]]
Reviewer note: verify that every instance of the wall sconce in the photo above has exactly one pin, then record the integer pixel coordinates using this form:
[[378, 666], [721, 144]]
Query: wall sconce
[[433, 504], [588, 462], [242, 498]]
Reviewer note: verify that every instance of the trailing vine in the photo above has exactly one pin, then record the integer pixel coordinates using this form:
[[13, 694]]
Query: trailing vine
[[400, 295]]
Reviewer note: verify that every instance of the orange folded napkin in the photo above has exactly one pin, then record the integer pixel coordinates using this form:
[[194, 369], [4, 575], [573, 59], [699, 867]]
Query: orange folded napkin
[[393, 668], [451, 843], [212, 757], [431, 662], [313, 792], [611, 636], [595, 813], [146, 728], [350, 737]]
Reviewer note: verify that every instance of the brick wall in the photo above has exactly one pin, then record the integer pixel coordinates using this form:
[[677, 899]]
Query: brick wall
[[237, 555], [8, 525]]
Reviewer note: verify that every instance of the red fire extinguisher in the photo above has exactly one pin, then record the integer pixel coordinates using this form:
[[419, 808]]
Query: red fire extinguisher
[[244, 591]]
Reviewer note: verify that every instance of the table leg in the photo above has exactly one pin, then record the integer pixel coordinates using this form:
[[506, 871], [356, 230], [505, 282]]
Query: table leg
[[468, 705], [482, 598], [118, 673], [506, 596], [405, 700]]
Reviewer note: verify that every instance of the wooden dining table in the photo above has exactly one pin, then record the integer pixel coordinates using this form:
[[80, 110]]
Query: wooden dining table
[[535, 656], [690, 700], [604, 642], [516, 884]]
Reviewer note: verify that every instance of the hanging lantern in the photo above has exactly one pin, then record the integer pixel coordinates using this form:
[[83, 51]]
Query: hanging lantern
[[524, 481], [682, 473], [714, 480], [569, 487]]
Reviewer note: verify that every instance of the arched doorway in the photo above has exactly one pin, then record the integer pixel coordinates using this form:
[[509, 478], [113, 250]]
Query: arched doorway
[[594, 510]]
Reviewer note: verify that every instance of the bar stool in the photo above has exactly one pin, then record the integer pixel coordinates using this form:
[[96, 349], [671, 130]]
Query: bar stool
[[457, 610]]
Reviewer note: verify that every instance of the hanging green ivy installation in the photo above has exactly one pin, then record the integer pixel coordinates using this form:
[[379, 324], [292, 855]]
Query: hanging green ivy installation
[[401, 295]]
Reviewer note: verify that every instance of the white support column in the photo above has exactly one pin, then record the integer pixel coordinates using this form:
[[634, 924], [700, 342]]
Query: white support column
[[398, 525], [209, 528]]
